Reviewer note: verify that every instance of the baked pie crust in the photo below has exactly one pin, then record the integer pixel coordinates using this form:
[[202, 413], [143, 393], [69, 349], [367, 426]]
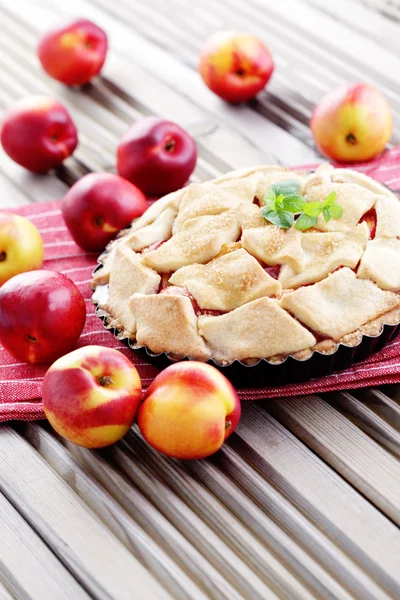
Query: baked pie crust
[[202, 274]]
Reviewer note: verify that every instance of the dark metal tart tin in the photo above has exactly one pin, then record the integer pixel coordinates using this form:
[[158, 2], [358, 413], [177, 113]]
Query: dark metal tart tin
[[265, 373]]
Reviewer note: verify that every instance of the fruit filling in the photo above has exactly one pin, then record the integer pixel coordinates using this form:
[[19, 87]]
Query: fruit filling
[[370, 219], [272, 271]]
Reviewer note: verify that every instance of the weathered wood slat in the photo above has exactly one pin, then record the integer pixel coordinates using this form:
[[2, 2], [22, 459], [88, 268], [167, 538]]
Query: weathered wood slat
[[299, 54], [290, 518], [384, 405], [367, 466], [193, 482], [363, 415], [130, 516], [175, 38], [98, 142], [28, 186], [232, 560], [22, 549], [389, 8], [183, 500], [348, 518], [90, 551], [5, 594], [364, 19]]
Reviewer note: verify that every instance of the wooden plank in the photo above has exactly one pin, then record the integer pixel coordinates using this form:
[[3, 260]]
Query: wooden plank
[[193, 483], [327, 500], [132, 518], [315, 29], [367, 466], [367, 21], [29, 186], [27, 566], [188, 504], [11, 194], [93, 554], [305, 532], [389, 8], [239, 558], [5, 594], [386, 405], [363, 415]]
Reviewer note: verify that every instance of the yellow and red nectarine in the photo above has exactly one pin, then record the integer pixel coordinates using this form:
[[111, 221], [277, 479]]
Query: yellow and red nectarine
[[352, 123], [189, 410], [21, 246], [91, 395], [235, 66]]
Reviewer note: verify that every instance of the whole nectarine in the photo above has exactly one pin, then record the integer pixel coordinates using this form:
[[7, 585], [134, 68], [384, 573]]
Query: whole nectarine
[[38, 133], [42, 314], [189, 410], [352, 123], [98, 206], [73, 53], [156, 155], [235, 66], [21, 246], [90, 396]]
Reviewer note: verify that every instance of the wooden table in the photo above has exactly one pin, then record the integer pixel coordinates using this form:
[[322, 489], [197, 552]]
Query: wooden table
[[304, 500]]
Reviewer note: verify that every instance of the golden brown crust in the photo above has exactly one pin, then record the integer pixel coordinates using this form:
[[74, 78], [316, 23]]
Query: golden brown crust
[[226, 282], [206, 228]]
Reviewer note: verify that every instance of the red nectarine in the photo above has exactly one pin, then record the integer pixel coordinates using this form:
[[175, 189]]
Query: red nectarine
[[38, 133], [156, 155], [73, 53], [98, 206]]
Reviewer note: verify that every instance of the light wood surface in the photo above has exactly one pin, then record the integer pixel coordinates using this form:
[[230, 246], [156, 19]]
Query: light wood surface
[[304, 500]]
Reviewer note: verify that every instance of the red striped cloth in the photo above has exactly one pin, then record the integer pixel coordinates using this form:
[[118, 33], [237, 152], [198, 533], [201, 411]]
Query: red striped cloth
[[20, 384]]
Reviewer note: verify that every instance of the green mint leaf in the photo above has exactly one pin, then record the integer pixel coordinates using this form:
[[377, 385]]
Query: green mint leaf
[[288, 187], [294, 204], [330, 199], [305, 222], [281, 219], [336, 211], [265, 211], [326, 211], [312, 209], [279, 202], [269, 199]]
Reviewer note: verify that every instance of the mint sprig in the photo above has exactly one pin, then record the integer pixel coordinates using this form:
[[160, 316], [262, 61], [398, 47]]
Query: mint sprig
[[283, 202]]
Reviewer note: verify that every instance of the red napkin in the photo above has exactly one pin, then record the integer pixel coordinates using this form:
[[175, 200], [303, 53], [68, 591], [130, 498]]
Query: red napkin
[[20, 384]]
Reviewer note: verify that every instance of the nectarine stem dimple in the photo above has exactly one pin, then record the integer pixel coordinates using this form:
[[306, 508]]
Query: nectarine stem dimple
[[3, 256], [240, 72], [105, 381], [228, 425], [98, 221], [351, 139], [170, 145], [30, 338]]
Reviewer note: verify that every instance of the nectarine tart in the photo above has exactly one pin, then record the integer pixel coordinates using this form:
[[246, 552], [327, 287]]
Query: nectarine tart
[[260, 264]]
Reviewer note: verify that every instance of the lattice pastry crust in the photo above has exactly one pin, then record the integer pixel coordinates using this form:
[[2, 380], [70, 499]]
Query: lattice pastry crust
[[202, 274]]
